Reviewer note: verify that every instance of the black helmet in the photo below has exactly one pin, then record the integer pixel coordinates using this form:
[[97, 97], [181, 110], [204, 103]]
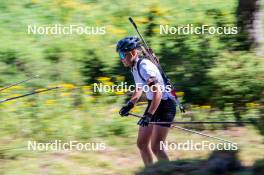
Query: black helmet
[[127, 44]]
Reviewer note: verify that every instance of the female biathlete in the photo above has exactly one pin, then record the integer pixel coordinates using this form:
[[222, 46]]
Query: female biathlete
[[161, 103]]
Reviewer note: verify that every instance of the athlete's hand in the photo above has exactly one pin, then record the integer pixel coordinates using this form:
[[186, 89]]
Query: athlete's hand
[[125, 109], [182, 108], [144, 121]]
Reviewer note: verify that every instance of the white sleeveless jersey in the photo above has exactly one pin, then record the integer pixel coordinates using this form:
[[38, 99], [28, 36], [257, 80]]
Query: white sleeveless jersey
[[147, 70]]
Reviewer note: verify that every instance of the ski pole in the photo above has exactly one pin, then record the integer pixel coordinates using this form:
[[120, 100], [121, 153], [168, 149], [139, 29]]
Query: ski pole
[[187, 130], [196, 122], [28, 94], [17, 83]]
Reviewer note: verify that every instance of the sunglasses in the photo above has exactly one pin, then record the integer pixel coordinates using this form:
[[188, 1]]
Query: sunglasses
[[122, 55]]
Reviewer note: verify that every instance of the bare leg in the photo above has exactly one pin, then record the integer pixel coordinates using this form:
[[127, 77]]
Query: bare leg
[[159, 134], [143, 143]]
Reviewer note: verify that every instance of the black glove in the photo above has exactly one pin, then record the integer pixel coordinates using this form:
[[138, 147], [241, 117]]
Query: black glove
[[182, 108], [144, 121], [125, 109]]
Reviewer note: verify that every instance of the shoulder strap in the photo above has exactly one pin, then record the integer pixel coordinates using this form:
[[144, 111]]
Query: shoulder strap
[[138, 63], [163, 75]]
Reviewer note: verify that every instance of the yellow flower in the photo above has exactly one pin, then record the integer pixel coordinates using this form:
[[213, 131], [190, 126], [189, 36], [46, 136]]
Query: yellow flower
[[14, 95], [50, 102], [119, 93], [159, 11], [114, 30], [156, 30], [86, 88], [109, 83], [142, 20], [195, 106], [103, 79], [35, 1], [114, 110], [180, 94], [88, 92], [142, 103], [5, 91], [37, 90], [68, 86], [65, 94], [120, 78], [135, 109], [16, 87], [252, 105], [206, 107], [73, 4], [8, 103]]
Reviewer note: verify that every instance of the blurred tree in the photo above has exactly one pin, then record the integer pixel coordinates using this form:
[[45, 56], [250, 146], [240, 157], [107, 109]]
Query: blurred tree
[[120, 70], [151, 16], [13, 62], [53, 54], [8, 57], [186, 59], [238, 79], [221, 19], [249, 22], [92, 67]]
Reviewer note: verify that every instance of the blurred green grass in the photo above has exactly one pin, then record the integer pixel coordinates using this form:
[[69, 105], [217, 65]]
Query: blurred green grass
[[96, 120]]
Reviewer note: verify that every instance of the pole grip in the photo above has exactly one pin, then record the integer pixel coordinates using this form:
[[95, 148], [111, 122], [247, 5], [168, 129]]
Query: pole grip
[[132, 22]]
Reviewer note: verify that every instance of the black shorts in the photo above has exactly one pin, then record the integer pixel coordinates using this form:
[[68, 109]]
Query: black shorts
[[165, 113]]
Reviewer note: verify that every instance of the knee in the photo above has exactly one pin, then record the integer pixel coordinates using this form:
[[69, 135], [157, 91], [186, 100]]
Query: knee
[[142, 145]]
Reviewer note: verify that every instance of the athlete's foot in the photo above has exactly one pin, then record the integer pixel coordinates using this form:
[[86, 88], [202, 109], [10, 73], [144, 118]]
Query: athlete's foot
[[162, 157], [160, 154], [146, 157]]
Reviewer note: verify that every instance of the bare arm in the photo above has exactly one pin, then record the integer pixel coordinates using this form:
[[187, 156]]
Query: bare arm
[[157, 95], [136, 95]]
